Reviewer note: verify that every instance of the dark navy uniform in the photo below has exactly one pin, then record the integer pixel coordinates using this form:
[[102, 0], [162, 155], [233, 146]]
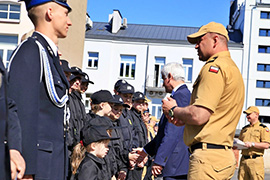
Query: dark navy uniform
[[10, 130], [42, 122]]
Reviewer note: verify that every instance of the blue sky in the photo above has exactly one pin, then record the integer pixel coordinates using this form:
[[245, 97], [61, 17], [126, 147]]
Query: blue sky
[[162, 12]]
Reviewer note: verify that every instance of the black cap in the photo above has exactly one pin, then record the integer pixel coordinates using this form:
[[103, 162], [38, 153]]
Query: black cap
[[31, 3], [120, 101], [77, 71], [90, 134], [126, 89], [100, 121], [65, 66], [138, 96], [102, 96], [85, 78], [119, 83]]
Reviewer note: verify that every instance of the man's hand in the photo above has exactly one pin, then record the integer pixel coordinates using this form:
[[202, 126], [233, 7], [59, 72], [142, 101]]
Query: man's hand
[[167, 105], [156, 169], [17, 164], [122, 175]]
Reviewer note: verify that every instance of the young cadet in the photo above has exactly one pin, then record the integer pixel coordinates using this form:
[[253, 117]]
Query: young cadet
[[131, 140], [256, 137], [87, 159], [137, 109], [101, 107], [121, 151], [42, 101]]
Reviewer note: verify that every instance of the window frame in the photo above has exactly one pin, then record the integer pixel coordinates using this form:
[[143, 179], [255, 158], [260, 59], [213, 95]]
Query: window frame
[[158, 81], [9, 12], [187, 70], [93, 59], [126, 63]]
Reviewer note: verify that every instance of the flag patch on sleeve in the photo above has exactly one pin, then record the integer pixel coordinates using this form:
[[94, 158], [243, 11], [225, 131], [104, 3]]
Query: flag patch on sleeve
[[213, 69]]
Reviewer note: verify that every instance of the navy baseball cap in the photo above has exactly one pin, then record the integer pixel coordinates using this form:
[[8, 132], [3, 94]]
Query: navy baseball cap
[[126, 89], [31, 3], [65, 66], [120, 101], [102, 96], [92, 134], [119, 83], [85, 78], [138, 96]]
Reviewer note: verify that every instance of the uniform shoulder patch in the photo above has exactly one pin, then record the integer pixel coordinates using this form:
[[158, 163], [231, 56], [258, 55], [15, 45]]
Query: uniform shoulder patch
[[264, 126], [213, 69]]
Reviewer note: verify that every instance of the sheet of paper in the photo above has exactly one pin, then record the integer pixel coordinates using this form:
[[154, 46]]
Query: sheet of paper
[[239, 144]]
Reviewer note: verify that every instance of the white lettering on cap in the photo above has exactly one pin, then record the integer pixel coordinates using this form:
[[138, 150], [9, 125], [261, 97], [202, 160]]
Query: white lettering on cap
[[129, 88]]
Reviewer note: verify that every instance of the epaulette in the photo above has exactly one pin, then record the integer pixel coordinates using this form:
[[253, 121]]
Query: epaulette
[[264, 126], [245, 126], [212, 60]]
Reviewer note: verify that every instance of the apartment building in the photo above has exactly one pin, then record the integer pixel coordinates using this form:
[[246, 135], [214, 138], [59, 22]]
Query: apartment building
[[117, 50], [251, 19]]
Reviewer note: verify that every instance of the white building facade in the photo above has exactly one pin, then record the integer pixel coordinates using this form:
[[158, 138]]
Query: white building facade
[[137, 54]]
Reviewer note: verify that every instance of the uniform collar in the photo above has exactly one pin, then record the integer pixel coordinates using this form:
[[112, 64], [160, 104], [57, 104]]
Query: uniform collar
[[220, 54], [50, 42], [256, 124]]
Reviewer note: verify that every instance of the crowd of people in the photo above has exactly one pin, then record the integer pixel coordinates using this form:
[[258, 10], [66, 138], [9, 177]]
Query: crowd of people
[[46, 132]]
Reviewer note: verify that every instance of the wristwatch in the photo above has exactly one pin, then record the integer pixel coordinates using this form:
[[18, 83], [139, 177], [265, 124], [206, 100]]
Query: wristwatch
[[252, 144], [171, 114]]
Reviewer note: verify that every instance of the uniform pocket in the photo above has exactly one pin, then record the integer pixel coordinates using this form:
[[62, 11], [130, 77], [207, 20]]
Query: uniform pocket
[[44, 158]]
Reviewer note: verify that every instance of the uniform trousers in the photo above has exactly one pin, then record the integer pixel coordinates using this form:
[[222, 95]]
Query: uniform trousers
[[251, 169], [211, 164]]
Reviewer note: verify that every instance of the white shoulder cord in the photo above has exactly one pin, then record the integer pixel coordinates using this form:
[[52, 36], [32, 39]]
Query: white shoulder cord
[[49, 79]]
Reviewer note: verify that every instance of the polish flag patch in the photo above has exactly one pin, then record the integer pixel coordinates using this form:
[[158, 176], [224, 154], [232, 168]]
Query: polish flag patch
[[267, 130], [213, 69]]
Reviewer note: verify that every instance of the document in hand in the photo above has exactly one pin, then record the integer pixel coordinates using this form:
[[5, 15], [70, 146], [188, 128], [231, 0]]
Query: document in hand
[[239, 144]]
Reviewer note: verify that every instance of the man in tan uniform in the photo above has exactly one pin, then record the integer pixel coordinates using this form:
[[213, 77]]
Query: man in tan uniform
[[215, 107], [256, 137]]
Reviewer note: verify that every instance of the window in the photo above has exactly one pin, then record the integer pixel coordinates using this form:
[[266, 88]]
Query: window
[[7, 45], [264, 119], [159, 63], [188, 66], [262, 102], [87, 101], [263, 67], [265, 15], [264, 49], [10, 12], [264, 32], [127, 66], [92, 60], [263, 84], [156, 108]]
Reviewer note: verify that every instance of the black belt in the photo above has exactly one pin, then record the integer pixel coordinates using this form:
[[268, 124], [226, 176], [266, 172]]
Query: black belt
[[251, 156], [208, 146]]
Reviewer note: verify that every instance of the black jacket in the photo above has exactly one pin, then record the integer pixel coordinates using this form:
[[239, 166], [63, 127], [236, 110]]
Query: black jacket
[[77, 118], [91, 168]]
